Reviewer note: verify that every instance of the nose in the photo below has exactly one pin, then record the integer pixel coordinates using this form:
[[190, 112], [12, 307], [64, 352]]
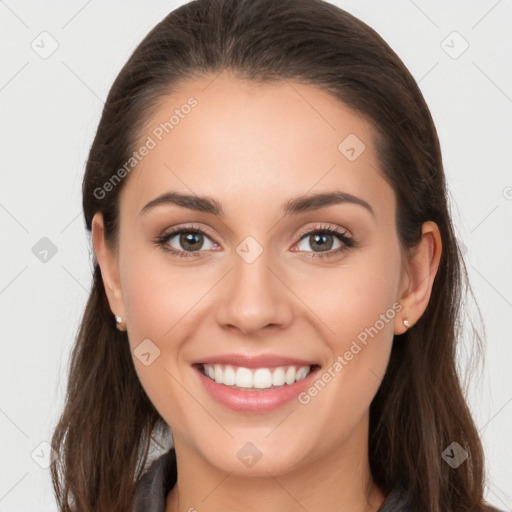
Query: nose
[[255, 297]]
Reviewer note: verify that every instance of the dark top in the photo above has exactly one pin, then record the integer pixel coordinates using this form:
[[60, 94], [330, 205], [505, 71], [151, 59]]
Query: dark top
[[160, 478]]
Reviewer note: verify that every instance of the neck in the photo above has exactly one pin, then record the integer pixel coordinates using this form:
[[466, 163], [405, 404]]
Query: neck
[[340, 481]]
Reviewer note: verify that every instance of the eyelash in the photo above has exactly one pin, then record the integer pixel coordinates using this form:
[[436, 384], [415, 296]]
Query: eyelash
[[347, 241]]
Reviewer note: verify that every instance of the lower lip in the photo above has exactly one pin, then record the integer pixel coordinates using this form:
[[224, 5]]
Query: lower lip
[[255, 401]]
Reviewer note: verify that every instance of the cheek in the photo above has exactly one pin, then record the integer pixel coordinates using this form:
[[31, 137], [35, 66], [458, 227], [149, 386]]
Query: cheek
[[163, 304], [356, 310], [157, 293], [355, 307], [354, 297], [159, 309]]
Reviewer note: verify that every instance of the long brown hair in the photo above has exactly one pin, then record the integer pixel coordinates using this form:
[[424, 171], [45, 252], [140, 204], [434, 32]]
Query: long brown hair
[[103, 436]]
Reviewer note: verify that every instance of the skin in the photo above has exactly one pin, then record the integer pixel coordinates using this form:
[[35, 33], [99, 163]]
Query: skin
[[251, 147]]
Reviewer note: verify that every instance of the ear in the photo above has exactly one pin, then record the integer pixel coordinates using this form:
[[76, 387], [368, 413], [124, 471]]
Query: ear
[[108, 262], [418, 277]]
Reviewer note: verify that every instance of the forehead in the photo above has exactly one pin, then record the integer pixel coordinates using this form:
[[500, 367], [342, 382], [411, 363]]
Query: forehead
[[252, 145]]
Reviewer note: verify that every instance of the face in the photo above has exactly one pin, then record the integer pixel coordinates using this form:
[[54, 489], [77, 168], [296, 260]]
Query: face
[[256, 287]]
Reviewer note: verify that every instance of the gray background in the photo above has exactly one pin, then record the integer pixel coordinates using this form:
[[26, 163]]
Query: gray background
[[49, 111]]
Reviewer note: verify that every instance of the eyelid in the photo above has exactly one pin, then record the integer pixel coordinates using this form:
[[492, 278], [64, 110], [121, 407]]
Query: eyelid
[[343, 235], [163, 239], [188, 227], [322, 226]]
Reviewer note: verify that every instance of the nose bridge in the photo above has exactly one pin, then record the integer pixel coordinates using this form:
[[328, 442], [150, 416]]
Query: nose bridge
[[254, 296]]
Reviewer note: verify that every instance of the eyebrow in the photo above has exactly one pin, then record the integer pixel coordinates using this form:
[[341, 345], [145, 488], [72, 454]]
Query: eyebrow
[[295, 205]]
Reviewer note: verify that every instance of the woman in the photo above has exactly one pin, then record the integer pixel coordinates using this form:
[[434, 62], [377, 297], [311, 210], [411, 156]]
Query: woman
[[277, 283]]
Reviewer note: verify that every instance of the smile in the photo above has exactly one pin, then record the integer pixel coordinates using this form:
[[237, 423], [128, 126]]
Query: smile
[[255, 378], [259, 387]]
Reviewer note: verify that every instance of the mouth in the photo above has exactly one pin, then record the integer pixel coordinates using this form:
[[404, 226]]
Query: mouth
[[255, 379], [255, 388]]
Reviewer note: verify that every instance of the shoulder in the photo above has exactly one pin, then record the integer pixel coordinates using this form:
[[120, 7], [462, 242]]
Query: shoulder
[[153, 487]]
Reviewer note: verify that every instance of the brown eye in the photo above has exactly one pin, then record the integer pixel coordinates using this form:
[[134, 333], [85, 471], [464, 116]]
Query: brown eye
[[322, 242], [191, 241], [325, 241], [185, 242]]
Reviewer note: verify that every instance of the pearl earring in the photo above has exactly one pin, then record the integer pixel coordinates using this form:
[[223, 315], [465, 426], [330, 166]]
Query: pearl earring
[[119, 323], [406, 323]]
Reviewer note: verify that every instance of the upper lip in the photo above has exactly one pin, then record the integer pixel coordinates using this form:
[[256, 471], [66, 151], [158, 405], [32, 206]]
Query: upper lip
[[261, 361]]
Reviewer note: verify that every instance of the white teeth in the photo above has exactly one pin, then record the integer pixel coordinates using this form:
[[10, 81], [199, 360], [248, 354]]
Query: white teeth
[[229, 376], [217, 371], [278, 377], [243, 378], [260, 378], [301, 373], [290, 375]]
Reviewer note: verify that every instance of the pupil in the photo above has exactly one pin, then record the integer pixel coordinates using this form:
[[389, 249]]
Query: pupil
[[325, 246], [187, 241]]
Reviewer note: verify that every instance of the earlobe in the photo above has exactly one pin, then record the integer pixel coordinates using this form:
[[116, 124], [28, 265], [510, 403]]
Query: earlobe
[[107, 260], [422, 267]]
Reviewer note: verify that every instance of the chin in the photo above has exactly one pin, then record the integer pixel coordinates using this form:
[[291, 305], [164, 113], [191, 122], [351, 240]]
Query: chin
[[254, 458]]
